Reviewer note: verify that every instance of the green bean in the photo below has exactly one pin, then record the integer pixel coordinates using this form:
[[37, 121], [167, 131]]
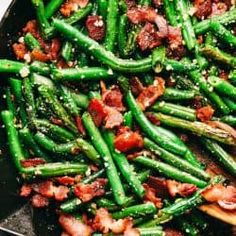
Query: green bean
[[40, 68], [66, 51], [29, 98], [13, 139], [175, 110], [52, 7], [52, 130], [10, 102], [222, 86], [53, 102], [70, 205], [31, 42], [218, 55], [94, 94], [80, 99], [89, 179], [145, 3], [175, 161], [108, 204], [9, 66], [154, 231], [135, 211], [230, 103], [111, 25], [122, 38], [231, 120], [225, 159], [169, 171], [180, 206], [170, 12], [221, 32], [81, 74], [198, 79], [16, 87], [41, 17], [123, 165], [172, 94], [54, 169], [227, 18], [70, 147], [198, 128], [210, 39], [111, 171], [99, 52], [147, 127], [128, 119], [232, 77], [102, 8], [187, 29], [29, 141]]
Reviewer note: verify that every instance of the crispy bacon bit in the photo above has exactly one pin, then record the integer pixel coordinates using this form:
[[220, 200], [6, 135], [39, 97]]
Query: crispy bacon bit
[[60, 193], [218, 8], [54, 49], [38, 55], [136, 85], [73, 226], [56, 121], [148, 38], [162, 25], [130, 3], [45, 188], [86, 192], [152, 118], [197, 103], [138, 15], [39, 201], [224, 75], [113, 119], [62, 64], [183, 189], [32, 162], [150, 195], [103, 222], [79, 125], [151, 93], [128, 140], [20, 50], [26, 190], [71, 6], [97, 110], [113, 98], [95, 27], [159, 184], [173, 232], [224, 196], [203, 8], [65, 180], [205, 114]]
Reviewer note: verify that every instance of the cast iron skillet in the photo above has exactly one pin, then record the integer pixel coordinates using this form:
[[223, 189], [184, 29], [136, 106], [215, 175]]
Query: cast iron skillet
[[44, 222]]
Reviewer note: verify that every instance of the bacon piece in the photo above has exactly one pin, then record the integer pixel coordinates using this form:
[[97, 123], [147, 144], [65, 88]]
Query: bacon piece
[[32, 162], [159, 184], [218, 9], [73, 226], [138, 15], [130, 3], [60, 193], [205, 114], [95, 27], [26, 190], [39, 201], [203, 8], [162, 25], [151, 93], [150, 195], [182, 189], [224, 196], [97, 110], [152, 118], [65, 180], [148, 38], [56, 121], [54, 49], [20, 50], [79, 125], [113, 119], [38, 55], [113, 98], [128, 140], [173, 232], [103, 222], [45, 188], [136, 85], [157, 3], [62, 64], [86, 192], [71, 6]]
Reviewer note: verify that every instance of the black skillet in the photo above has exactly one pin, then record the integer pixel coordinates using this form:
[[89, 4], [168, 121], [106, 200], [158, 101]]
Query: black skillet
[[16, 216]]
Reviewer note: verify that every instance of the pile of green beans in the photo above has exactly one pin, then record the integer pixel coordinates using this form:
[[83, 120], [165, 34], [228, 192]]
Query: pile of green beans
[[49, 110]]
